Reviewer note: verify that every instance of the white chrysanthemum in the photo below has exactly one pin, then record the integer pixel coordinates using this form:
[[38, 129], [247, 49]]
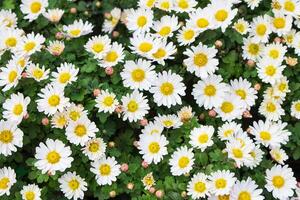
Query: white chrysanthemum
[[187, 35], [280, 181], [271, 109], [144, 44], [7, 180], [166, 5], [53, 156], [72, 185], [75, 112], [201, 60], [231, 108], [164, 52], [168, 89], [15, 107], [94, 148], [257, 156], [242, 89], [168, 121], [21, 61], [56, 47], [36, 72], [146, 3], [228, 130], [246, 189], [153, 128], [289, 38], [148, 181], [274, 52], [135, 106], [9, 76], [253, 3], [80, 131], [54, 15], [295, 109], [279, 155], [139, 20], [241, 26], [109, 24], [239, 152], [209, 92], [201, 19], [66, 74], [221, 182], [138, 74], [52, 99], [260, 28], [252, 50], [8, 18], [33, 8], [31, 192], [153, 147], [181, 161], [184, 5], [289, 7], [106, 102], [198, 186], [166, 26], [98, 45], [78, 28], [281, 87], [269, 71], [59, 120], [201, 138], [10, 38], [281, 23], [11, 137], [106, 170], [30, 44], [113, 56]]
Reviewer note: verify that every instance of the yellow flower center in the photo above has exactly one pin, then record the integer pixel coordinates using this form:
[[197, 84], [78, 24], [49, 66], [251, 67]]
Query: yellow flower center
[[200, 59], [75, 32], [12, 76], [270, 70], [132, 106], [108, 101], [241, 93], [244, 195], [141, 21], [138, 75], [240, 27], [29, 195], [145, 47], [29, 46], [282, 87], [18, 109], [229, 132], [227, 107], [167, 88], [165, 5], [74, 115], [238, 153], [61, 121], [11, 42], [202, 23], [105, 169], [54, 100], [223, 197], [111, 56], [203, 138], [73, 184], [264, 135], [183, 4], [279, 23], [164, 31], [253, 49], [53, 157], [35, 7], [150, 3], [154, 147], [278, 181], [4, 183], [168, 123], [220, 183], [200, 187], [274, 53], [221, 15], [189, 34], [64, 77], [289, 6], [210, 90], [94, 147], [160, 53], [21, 62], [271, 107], [253, 154], [98, 47], [297, 106], [38, 73], [80, 130], [183, 162], [261, 29], [277, 156], [6, 136]]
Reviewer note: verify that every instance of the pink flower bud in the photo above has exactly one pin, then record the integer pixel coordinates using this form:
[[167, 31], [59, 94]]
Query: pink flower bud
[[115, 34], [159, 194], [109, 71], [118, 109], [143, 122], [212, 113], [73, 10], [257, 86], [218, 44], [277, 40], [250, 63], [59, 35], [135, 143], [96, 92], [124, 167], [130, 186], [24, 75], [45, 121], [152, 190], [26, 116], [145, 164]]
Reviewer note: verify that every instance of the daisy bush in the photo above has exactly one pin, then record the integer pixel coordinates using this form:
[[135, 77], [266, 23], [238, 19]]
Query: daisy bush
[[149, 99]]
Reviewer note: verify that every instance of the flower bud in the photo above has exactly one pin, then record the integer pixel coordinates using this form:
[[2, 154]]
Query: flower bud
[[111, 144], [151, 190], [159, 194], [73, 10], [145, 164], [96, 92], [109, 71], [143, 122], [112, 194], [218, 44], [257, 86], [45, 121], [130, 186], [124, 167], [212, 113]]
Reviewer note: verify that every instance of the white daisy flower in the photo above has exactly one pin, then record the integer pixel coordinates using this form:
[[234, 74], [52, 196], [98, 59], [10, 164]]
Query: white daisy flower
[[80, 131], [257, 156], [144, 44], [30, 44], [231, 108], [33, 8], [168, 89], [184, 5], [187, 35], [94, 148], [148, 181], [8, 18], [52, 99], [59, 120], [241, 26], [201, 138], [56, 47], [36, 72], [10, 38], [210, 91], [7, 180], [181, 161], [252, 50], [75, 112], [53, 156], [295, 109], [198, 186], [11, 137], [260, 29], [166, 5], [281, 23], [106, 170], [275, 52], [106, 102], [252, 4], [54, 15], [280, 181], [114, 56], [72, 185], [153, 147], [166, 26], [98, 45], [289, 7], [31, 192], [9, 76], [139, 20], [164, 52], [153, 128], [78, 28], [279, 155], [109, 24], [201, 19], [15, 107], [289, 38], [271, 109], [66, 74], [281, 87], [228, 130], [135, 106], [269, 71], [239, 152], [222, 182], [246, 189], [168, 121]]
